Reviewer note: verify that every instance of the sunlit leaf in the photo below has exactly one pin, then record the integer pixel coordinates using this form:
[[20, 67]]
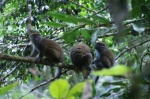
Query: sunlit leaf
[[70, 97], [114, 71], [7, 88], [77, 89], [59, 88], [56, 25]]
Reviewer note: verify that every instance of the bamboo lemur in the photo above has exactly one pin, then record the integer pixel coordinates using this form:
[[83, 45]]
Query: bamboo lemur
[[104, 57], [46, 48], [81, 56]]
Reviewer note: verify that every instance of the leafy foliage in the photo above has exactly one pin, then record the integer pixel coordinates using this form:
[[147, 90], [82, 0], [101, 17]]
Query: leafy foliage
[[60, 89], [123, 26], [114, 71], [7, 88]]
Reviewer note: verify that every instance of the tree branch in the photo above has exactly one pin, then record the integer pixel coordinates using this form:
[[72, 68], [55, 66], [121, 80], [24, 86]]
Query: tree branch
[[131, 48], [33, 60]]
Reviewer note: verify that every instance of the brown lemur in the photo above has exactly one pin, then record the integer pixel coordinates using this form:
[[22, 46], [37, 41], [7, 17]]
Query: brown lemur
[[81, 56], [45, 47], [104, 57]]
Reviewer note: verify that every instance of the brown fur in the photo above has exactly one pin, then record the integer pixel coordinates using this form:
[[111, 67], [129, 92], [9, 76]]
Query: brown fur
[[81, 57], [104, 57], [46, 47]]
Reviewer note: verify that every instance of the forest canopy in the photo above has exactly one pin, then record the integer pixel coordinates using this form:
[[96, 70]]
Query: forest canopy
[[123, 25]]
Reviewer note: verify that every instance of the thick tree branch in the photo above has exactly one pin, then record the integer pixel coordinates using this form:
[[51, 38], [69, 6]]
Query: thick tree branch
[[33, 60]]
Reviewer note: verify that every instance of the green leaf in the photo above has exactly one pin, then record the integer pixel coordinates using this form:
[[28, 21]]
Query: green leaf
[[77, 89], [104, 20], [71, 19], [136, 11], [86, 20], [114, 71], [7, 88], [72, 34], [106, 94], [95, 35], [135, 3], [120, 83], [70, 97], [117, 89], [56, 25], [64, 17], [85, 34], [145, 9], [59, 88], [101, 19]]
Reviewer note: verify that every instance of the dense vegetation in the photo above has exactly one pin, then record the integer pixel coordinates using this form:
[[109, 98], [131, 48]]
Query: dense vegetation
[[123, 25]]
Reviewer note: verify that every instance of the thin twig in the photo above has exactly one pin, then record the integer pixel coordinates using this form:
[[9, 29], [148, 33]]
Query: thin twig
[[44, 83], [102, 10], [9, 73], [83, 7], [133, 21], [146, 54], [98, 12], [131, 48]]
